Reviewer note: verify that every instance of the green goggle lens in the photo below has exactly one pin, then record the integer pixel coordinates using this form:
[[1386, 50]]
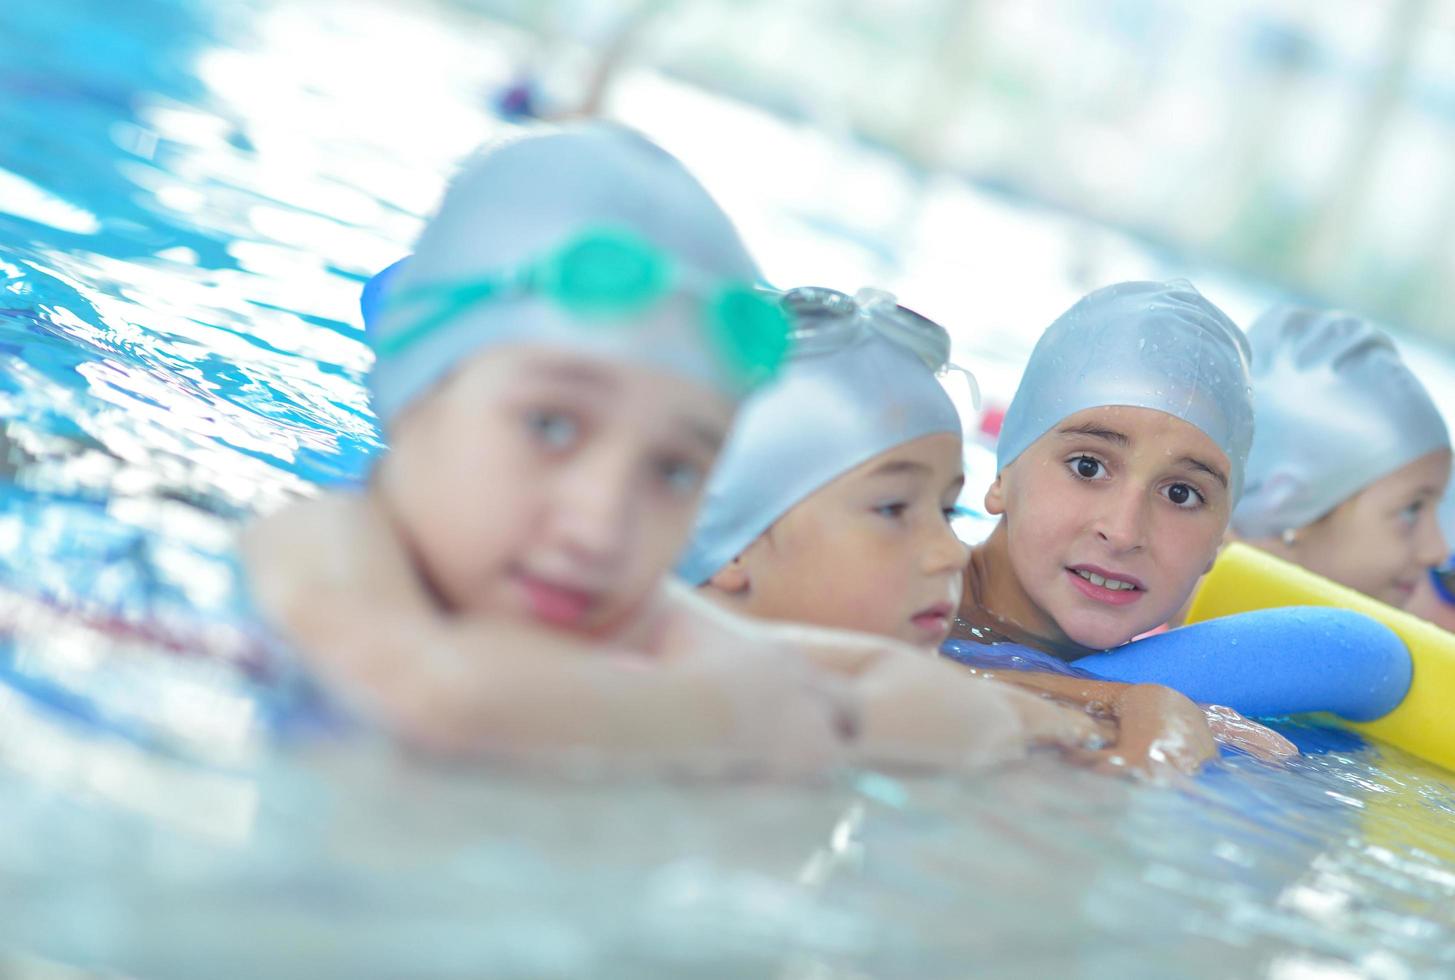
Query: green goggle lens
[[751, 331], [604, 274]]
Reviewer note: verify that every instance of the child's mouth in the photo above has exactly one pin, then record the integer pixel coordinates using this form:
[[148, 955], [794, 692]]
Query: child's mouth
[[935, 619], [555, 605], [1103, 586]]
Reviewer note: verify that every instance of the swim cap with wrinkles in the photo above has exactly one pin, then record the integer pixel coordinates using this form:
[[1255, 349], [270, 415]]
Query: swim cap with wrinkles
[[527, 197], [862, 385], [1337, 409], [1158, 345]]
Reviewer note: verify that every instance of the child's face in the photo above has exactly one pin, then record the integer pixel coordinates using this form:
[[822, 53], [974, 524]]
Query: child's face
[[1111, 517], [547, 486], [871, 551], [1384, 539]]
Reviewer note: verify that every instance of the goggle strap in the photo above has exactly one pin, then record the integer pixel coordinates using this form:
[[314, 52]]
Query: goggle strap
[[452, 300]]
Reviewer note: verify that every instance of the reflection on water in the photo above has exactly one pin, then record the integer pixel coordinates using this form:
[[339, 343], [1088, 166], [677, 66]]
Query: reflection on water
[[190, 196]]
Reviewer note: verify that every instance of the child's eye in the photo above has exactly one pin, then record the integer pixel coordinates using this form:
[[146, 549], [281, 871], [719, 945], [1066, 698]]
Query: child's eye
[[893, 510], [1410, 516], [1087, 467], [553, 429], [678, 474], [1184, 495]]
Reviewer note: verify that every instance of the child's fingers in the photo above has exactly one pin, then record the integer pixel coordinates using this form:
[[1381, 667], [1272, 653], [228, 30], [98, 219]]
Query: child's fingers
[[1048, 721], [1115, 762], [1257, 740]]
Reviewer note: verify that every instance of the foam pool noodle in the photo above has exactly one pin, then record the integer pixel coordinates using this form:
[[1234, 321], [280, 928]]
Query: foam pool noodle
[[1423, 723]]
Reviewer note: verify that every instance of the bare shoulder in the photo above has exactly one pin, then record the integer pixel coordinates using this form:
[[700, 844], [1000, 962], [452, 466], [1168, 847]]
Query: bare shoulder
[[309, 530], [337, 547]]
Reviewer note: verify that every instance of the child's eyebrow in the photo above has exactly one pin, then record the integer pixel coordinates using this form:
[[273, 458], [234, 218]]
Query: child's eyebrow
[[1207, 468], [897, 466], [1096, 432], [571, 373]]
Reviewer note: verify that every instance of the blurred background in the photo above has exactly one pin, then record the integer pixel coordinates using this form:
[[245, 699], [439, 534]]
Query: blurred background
[[992, 160], [1310, 143]]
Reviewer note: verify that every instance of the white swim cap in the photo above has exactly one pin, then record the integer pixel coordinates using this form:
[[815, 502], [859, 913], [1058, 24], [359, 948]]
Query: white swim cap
[[538, 228], [860, 380], [1158, 345], [1337, 409]]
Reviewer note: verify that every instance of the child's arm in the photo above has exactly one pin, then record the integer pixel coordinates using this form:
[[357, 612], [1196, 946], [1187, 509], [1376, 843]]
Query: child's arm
[[333, 577], [915, 710], [1159, 728]]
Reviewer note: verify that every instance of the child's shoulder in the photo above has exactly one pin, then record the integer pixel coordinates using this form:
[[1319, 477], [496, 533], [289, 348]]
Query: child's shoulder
[[332, 543], [329, 521]]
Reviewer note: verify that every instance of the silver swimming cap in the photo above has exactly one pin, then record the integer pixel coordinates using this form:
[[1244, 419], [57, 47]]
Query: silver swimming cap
[[526, 196], [1337, 409], [1158, 345], [860, 380]]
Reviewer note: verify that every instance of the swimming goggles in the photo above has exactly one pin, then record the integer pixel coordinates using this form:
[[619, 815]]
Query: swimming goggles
[[611, 274], [1442, 577], [826, 320]]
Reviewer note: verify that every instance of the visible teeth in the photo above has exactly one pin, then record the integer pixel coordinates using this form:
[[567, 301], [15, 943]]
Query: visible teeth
[[1116, 585]]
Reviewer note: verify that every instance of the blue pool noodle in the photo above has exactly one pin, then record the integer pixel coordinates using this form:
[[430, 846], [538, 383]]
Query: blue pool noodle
[[1264, 663]]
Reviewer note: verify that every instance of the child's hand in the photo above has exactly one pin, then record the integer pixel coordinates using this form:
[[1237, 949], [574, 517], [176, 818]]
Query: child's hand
[[1052, 723], [1259, 741], [765, 710], [924, 713], [930, 712], [1160, 734]]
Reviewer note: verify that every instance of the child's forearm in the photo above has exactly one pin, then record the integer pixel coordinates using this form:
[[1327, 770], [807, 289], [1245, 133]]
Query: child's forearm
[[1080, 690], [482, 688], [1157, 728], [473, 688]]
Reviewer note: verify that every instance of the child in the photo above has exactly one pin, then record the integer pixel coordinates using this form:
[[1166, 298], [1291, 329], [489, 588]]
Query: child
[[1351, 456], [556, 367], [1119, 462], [831, 504]]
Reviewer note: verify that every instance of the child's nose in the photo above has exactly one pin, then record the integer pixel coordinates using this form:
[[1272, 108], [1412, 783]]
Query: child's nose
[[1121, 520], [594, 511], [945, 552], [1433, 547]]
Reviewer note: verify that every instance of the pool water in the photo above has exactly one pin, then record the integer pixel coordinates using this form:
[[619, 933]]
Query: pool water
[[191, 195]]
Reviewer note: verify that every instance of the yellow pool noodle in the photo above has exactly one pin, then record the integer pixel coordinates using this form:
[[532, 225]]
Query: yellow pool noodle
[[1423, 724]]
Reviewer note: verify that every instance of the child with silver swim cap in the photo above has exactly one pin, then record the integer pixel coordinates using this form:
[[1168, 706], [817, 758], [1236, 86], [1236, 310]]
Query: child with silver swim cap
[[1351, 456], [831, 504], [1120, 460], [556, 368], [849, 461]]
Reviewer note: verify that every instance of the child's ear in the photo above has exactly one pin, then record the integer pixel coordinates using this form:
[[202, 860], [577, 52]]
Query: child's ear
[[995, 496], [731, 578]]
